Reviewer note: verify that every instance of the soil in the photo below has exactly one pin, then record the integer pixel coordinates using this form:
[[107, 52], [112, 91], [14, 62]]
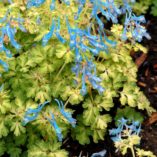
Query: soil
[[147, 81]]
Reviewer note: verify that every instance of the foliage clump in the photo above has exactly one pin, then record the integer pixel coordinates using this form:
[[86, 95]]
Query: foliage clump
[[61, 50]]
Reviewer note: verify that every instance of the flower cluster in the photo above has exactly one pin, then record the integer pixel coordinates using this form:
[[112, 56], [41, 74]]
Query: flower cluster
[[38, 3], [31, 114], [125, 130], [107, 8], [82, 41], [126, 7], [96, 44], [55, 29], [133, 24], [8, 31], [34, 3], [56, 127], [66, 115], [88, 71]]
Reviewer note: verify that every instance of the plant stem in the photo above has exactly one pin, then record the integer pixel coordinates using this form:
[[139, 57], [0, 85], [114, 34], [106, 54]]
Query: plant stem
[[132, 151], [61, 69]]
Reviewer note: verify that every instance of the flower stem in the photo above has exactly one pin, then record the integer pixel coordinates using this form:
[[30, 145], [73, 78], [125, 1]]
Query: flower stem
[[61, 69], [132, 151]]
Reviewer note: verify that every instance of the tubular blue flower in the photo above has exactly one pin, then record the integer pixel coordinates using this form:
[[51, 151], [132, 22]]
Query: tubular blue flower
[[76, 69], [34, 3], [89, 74], [115, 131], [57, 32], [83, 89], [122, 121], [52, 6], [80, 8], [67, 2], [107, 8], [20, 23], [99, 154], [126, 7], [67, 115], [48, 36], [3, 48], [56, 127], [78, 57], [133, 24], [29, 118], [31, 114], [10, 33], [37, 110], [5, 65], [125, 130], [55, 29], [116, 138]]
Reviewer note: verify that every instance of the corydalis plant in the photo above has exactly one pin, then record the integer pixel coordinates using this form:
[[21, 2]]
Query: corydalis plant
[[42, 71], [126, 135]]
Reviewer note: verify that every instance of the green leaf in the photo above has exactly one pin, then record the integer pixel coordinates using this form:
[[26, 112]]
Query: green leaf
[[143, 153], [17, 128], [60, 54], [14, 151], [82, 133], [58, 153], [3, 129], [2, 147], [101, 122], [20, 140], [89, 115], [98, 135], [69, 57]]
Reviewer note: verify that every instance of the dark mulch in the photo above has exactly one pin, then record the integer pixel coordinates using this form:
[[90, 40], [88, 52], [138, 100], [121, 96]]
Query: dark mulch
[[147, 80]]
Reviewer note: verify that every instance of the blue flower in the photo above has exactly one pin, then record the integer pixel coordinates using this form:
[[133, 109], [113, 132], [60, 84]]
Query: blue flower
[[99, 154], [83, 89], [11, 34], [29, 118], [67, 2], [111, 11], [52, 6], [3, 48], [67, 115], [125, 129], [133, 24], [55, 29], [34, 3], [31, 114], [48, 36], [57, 32], [56, 127], [5, 65], [80, 7], [126, 7]]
